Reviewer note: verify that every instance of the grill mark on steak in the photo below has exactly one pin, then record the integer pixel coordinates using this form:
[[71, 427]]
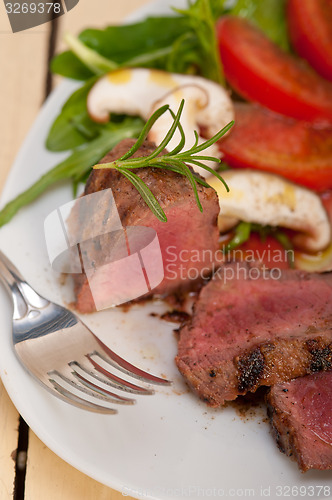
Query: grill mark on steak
[[321, 355], [300, 413], [254, 367], [252, 333], [250, 368]]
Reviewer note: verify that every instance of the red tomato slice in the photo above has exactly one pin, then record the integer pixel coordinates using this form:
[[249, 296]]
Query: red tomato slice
[[310, 30], [261, 72], [267, 141], [269, 252]]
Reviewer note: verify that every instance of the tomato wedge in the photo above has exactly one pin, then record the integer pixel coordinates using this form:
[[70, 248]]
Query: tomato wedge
[[264, 140], [261, 72], [268, 251], [310, 30]]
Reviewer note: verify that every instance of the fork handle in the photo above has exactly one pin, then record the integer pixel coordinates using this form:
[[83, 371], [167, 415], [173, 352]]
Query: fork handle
[[23, 295]]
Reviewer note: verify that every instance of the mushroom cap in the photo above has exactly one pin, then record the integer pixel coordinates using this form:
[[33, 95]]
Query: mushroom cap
[[269, 199]]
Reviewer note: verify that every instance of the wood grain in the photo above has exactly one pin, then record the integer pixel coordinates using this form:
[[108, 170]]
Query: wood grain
[[49, 477], [9, 420], [22, 66]]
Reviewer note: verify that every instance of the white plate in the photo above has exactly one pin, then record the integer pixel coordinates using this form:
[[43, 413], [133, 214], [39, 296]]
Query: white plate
[[167, 446]]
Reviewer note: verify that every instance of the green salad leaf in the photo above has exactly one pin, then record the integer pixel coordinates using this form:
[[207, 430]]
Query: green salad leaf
[[242, 233], [77, 165], [269, 15], [68, 65], [146, 43], [73, 127], [202, 21]]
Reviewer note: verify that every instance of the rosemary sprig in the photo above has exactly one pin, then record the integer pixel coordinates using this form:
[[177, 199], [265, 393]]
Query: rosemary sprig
[[175, 160]]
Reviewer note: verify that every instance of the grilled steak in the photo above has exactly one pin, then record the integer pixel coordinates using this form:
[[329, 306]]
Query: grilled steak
[[301, 417], [252, 327], [187, 229]]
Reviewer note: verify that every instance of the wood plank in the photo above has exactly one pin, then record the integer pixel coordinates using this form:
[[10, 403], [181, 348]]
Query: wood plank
[[50, 478], [9, 421], [22, 63], [44, 468]]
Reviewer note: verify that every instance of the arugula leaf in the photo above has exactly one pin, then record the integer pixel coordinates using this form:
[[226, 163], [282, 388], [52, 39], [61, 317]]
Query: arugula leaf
[[269, 15], [68, 65], [202, 21], [120, 44], [75, 166], [73, 127], [95, 62], [241, 235], [184, 57], [243, 231]]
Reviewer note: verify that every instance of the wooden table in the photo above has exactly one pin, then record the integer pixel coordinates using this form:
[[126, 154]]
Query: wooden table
[[25, 83]]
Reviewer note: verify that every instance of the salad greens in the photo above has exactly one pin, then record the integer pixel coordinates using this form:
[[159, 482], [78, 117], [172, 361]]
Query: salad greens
[[182, 43], [243, 231], [202, 22], [147, 44], [75, 166], [73, 126], [268, 15]]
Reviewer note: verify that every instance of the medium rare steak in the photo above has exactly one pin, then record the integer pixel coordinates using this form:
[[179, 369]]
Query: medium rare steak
[[301, 418], [186, 230], [252, 327]]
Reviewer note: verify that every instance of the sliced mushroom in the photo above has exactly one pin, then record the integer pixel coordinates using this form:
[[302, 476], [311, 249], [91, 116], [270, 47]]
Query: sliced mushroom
[[268, 199], [140, 91]]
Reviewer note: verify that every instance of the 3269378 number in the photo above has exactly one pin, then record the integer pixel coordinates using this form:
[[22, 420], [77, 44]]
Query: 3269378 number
[[304, 490], [32, 8]]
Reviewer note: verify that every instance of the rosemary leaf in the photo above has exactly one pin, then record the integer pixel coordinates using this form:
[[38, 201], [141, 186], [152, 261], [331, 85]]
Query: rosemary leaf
[[179, 170], [175, 160], [190, 177], [145, 192], [180, 146], [170, 133], [210, 142], [146, 129], [211, 171]]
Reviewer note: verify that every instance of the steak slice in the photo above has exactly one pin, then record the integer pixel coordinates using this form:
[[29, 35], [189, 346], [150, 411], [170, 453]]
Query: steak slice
[[301, 418], [186, 230], [252, 327]]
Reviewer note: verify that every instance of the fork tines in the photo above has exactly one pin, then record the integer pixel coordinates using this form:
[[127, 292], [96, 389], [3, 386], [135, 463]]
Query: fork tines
[[92, 383]]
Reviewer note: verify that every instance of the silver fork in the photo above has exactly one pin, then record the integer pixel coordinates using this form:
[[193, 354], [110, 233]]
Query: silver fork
[[63, 354]]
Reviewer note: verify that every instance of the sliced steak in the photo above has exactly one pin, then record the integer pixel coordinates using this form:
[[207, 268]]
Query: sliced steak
[[301, 418], [252, 327], [186, 230]]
